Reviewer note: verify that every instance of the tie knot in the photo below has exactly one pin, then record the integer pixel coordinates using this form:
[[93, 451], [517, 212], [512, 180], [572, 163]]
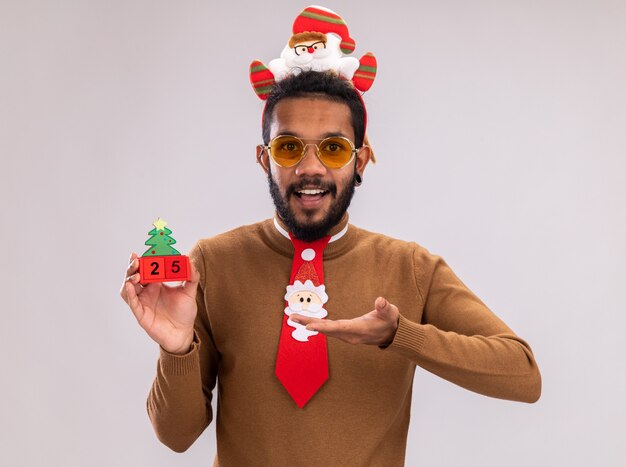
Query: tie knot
[[307, 260], [308, 251]]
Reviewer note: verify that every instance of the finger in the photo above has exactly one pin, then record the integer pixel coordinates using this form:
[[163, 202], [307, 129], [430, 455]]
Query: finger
[[131, 260], [312, 324], [134, 280], [133, 266], [130, 270], [300, 319], [335, 328], [133, 301], [352, 331]]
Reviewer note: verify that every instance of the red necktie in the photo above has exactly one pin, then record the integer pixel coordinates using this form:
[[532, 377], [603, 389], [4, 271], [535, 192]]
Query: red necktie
[[302, 360]]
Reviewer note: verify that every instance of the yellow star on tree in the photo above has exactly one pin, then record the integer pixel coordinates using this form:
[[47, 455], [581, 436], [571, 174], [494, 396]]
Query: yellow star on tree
[[159, 224]]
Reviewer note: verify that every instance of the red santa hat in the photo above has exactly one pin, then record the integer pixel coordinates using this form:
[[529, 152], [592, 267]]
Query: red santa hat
[[307, 272], [319, 19]]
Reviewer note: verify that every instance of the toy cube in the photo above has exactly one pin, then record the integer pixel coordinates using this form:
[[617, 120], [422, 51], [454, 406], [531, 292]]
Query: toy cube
[[177, 268], [151, 269]]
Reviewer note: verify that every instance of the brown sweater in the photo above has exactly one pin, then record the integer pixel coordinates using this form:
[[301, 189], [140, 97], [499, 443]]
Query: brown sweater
[[360, 417]]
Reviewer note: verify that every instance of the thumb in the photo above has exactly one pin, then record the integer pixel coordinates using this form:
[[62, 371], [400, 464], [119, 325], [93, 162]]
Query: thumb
[[191, 286], [386, 310], [194, 277], [382, 305]]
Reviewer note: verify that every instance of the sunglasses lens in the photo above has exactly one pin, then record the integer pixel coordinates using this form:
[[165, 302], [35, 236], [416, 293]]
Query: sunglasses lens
[[335, 152], [286, 150]]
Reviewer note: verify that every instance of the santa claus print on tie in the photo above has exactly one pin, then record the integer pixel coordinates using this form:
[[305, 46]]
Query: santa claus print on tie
[[307, 299]]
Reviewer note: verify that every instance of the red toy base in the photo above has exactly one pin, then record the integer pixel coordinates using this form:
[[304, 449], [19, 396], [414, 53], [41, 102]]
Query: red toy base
[[163, 269]]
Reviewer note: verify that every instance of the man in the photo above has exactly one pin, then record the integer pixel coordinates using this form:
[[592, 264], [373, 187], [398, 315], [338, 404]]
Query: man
[[391, 306]]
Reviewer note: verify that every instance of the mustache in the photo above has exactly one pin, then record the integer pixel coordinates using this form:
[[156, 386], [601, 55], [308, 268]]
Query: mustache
[[311, 183]]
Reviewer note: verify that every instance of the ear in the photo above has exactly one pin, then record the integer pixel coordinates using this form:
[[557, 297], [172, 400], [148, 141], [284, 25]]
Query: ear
[[362, 159], [262, 158]]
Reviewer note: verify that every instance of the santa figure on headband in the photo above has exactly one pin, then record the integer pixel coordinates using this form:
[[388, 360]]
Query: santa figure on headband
[[320, 42]]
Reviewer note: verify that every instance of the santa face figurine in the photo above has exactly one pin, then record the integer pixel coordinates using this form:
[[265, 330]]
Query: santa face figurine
[[307, 300], [313, 51]]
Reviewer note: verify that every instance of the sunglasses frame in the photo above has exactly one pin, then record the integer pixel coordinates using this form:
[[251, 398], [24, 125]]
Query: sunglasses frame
[[354, 151]]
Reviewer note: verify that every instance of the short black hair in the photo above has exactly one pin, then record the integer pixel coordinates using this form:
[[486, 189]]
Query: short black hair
[[323, 84]]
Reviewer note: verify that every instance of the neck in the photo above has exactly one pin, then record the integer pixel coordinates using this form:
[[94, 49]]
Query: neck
[[333, 238], [335, 233]]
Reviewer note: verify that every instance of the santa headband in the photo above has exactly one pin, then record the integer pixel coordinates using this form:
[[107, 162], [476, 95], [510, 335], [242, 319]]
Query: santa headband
[[320, 41]]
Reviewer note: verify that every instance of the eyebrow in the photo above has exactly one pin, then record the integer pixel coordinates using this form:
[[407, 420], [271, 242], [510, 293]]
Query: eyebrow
[[328, 134]]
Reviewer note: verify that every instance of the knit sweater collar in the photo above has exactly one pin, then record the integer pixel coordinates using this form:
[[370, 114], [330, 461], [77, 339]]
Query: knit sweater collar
[[277, 241]]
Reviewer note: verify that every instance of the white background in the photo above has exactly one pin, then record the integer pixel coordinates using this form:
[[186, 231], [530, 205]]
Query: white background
[[500, 131]]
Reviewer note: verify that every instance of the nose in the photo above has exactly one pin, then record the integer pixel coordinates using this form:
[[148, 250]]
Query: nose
[[311, 50], [310, 165]]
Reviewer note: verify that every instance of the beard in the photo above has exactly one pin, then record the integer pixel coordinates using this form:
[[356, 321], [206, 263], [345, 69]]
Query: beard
[[311, 231]]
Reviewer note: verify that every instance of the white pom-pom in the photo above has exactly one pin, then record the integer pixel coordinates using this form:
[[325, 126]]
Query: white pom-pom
[[308, 254]]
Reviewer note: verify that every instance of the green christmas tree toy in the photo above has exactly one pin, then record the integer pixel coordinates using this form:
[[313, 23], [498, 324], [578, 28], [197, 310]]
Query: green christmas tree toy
[[161, 262]]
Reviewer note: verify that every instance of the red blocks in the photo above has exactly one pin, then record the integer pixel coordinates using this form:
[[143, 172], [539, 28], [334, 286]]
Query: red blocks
[[163, 269]]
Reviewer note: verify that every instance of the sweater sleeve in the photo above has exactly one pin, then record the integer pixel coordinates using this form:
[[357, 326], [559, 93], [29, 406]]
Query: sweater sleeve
[[462, 341], [179, 402]]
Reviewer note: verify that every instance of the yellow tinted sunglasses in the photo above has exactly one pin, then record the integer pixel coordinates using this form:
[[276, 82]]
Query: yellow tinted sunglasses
[[334, 152]]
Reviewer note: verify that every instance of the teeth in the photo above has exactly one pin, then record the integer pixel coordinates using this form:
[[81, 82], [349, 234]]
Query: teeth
[[311, 192]]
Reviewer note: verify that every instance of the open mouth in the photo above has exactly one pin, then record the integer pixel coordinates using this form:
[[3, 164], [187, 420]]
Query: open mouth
[[311, 198], [311, 193]]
